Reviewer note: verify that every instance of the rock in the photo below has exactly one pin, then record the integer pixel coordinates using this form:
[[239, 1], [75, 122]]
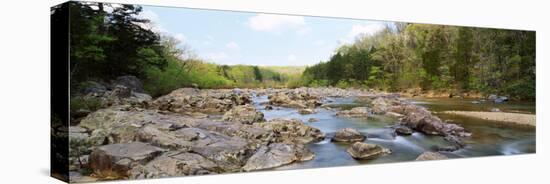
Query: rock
[[403, 130], [311, 120], [492, 97], [197, 115], [295, 98], [92, 88], [115, 160], [228, 152], [292, 131], [120, 125], [275, 155], [357, 112], [175, 163], [268, 107], [131, 82], [431, 156], [306, 111], [498, 100], [246, 114], [348, 135], [365, 151], [394, 115], [379, 106], [420, 119], [119, 91], [495, 110], [205, 101]]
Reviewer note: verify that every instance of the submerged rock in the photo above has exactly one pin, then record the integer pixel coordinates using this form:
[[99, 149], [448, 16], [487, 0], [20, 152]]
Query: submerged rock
[[431, 156], [360, 150], [246, 114], [115, 160], [403, 130], [311, 120], [306, 111], [348, 135]]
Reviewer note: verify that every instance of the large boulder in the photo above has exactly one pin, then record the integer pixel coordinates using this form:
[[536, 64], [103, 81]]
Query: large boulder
[[208, 101], [348, 135], [379, 106], [131, 82], [431, 156], [277, 154], [357, 112], [229, 153], [175, 163], [295, 98], [361, 150], [115, 160], [292, 131], [246, 114]]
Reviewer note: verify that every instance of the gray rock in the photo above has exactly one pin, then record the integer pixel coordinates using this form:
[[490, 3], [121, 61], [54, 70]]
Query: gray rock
[[348, 135], [360, 150], [403, 130], [131, 82], [275, 155], [115, 160], [246, 114], [357, 112], [175, 163], [292, 131]]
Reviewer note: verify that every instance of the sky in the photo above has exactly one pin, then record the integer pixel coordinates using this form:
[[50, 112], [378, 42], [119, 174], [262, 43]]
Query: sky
[[227, 37]]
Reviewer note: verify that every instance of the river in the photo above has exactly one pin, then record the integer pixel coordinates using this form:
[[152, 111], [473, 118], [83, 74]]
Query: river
[[488, 138]]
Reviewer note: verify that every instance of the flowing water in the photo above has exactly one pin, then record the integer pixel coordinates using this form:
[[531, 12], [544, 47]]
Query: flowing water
[[488, 138]]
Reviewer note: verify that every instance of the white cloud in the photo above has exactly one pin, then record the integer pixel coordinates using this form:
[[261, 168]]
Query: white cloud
[[274, 23], [291, 57], [180, 37], [366, 29], [232, 45], [153, 25]]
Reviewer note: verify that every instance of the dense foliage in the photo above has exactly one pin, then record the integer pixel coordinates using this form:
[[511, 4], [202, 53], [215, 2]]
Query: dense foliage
[[434, 57], [110, 40]]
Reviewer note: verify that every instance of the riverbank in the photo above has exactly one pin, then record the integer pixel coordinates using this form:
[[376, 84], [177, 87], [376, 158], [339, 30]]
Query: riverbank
[[503, 117]]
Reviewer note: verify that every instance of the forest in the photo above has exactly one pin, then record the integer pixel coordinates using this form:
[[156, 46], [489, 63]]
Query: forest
[[110, 41], [433, 57]]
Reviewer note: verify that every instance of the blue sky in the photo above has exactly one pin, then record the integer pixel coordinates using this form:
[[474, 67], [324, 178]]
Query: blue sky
[[226, 37]]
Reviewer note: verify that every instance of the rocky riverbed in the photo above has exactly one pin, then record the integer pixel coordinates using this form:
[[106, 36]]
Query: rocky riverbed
[[195, 132]]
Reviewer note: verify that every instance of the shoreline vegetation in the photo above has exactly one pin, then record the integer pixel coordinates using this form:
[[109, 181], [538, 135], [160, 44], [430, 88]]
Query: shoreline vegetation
[[500, 117]]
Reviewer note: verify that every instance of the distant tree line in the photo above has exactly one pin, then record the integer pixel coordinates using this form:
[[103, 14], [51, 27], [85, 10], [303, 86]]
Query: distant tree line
[[433, 57]]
